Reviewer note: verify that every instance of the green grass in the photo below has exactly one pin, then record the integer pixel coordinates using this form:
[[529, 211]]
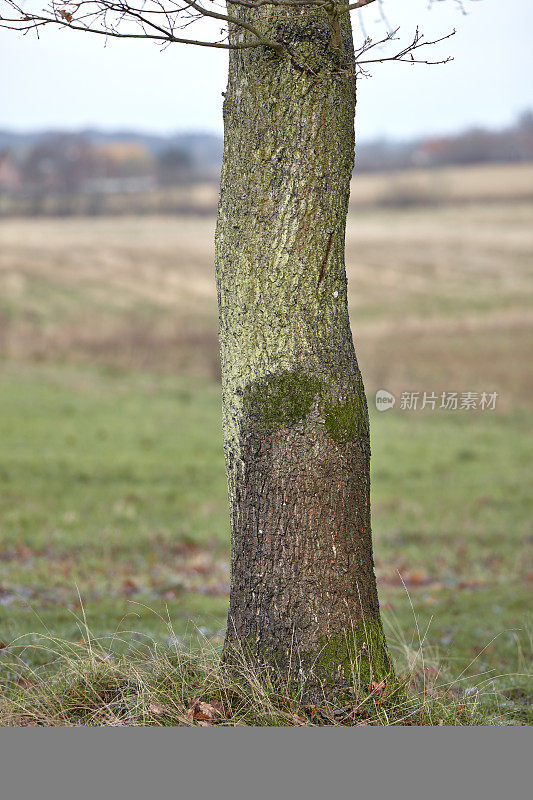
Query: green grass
[[113, 496], [112, 487], [94, 685], [113, 484]]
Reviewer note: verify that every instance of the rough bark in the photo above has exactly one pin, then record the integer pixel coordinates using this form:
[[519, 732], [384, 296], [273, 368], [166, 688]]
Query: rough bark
[[303, 592]]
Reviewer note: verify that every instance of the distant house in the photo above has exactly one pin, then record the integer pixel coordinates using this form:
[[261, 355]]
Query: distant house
[[10, 177], [122, 167]]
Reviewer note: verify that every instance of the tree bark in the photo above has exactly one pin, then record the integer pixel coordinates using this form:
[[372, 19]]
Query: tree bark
[[303, 592]]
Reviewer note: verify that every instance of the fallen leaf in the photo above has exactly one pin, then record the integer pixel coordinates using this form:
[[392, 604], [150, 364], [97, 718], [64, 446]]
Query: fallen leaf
[[129, 587], [417, 578], [157, 709], [200, 712], [378, 689], [473, 584]]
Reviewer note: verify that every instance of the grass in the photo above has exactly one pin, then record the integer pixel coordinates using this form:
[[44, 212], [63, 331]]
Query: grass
[[94, 683], [113, 484], [140, 294], [113, 497], [114, 487], [444, 185]]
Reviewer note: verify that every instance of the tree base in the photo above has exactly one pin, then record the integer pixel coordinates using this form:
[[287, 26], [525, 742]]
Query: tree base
[[337, 669]]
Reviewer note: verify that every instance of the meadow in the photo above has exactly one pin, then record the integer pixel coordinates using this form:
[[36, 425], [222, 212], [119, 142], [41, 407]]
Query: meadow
[[113, 503]]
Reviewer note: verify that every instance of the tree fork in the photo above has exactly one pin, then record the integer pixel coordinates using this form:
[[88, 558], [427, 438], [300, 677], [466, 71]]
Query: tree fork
[[303, 593]]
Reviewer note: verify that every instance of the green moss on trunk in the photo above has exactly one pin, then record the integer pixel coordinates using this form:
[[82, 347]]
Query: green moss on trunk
[[338, 667], [347, 420], [355, 658], [279, 400], [287, 398]]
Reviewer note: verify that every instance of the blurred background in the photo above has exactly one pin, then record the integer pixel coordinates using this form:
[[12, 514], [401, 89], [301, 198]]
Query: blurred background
[[112, 485]]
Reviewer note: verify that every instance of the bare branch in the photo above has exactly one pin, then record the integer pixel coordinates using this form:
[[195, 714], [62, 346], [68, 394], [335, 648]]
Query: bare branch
[[284, 3], [405, 54], [94, 18], [355, 6], [163, 20]]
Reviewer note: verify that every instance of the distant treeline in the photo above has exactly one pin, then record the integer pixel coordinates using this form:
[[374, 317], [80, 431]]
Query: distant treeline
[[473, 146], [87, 171], [94, 163]]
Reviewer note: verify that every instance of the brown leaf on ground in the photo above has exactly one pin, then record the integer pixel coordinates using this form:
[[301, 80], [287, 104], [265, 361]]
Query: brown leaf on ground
[[24, 553], [378, 689], [417, 578], [129, 587], [203, 713], [157, 709], [411, 579], [473, 584], [25, 683]]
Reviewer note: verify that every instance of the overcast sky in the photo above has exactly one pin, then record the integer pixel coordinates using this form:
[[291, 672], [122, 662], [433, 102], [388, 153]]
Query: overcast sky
[[70, 80]]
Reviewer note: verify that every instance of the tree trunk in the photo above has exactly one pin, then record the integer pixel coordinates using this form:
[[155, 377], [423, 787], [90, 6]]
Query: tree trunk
[[303, 592]]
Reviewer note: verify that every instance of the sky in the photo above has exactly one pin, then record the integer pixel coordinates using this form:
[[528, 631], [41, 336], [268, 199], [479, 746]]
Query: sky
[[69, 80]]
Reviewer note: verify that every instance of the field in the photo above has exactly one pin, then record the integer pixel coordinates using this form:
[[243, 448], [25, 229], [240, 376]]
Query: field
[[112, 499]]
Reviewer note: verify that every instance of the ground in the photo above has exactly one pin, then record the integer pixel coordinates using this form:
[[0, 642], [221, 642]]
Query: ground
[[113, 499]]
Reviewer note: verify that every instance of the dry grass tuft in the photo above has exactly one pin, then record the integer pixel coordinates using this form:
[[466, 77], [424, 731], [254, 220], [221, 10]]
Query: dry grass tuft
[[87, 683]]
